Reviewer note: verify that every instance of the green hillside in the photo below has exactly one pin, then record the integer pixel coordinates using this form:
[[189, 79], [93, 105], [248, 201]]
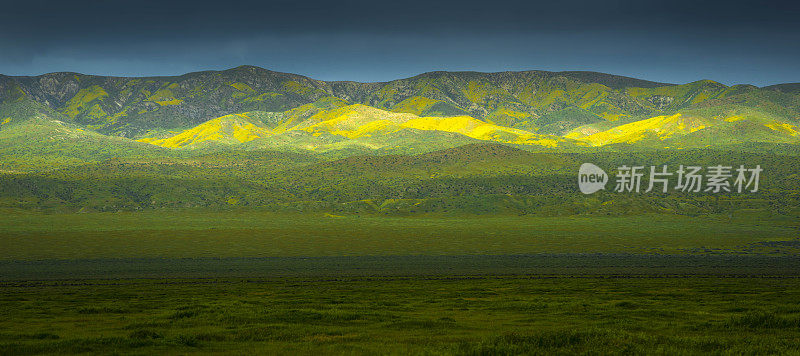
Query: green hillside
[[322, 126], [131, 106], [74, 121], [33, 137], [477, 178]]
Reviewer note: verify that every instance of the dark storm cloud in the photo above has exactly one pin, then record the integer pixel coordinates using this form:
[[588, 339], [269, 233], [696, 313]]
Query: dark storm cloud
[[370, 40], [52, 20]]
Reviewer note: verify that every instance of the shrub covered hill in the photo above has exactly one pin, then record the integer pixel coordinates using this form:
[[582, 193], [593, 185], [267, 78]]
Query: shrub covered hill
[[461, 142], [251, 107]]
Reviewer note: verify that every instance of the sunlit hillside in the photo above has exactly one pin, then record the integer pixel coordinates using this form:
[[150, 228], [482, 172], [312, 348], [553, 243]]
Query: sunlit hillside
[[353, 122], [235, 128], [252, 108], [534, 101]]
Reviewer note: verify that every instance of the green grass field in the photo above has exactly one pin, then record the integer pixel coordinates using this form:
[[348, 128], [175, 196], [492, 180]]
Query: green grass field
[[191, 233], [254, 282], [416, 315]]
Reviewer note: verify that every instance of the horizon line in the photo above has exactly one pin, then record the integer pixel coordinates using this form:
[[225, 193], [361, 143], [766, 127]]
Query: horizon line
[[386, 81]]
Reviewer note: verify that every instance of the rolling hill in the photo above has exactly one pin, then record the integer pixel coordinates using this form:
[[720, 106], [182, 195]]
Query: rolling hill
[[253, 108], [229, 129], [358, 124], [33, 137]]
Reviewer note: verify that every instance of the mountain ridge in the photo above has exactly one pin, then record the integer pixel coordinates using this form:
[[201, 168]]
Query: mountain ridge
[[254, 67], [580, 73], [555, 109]]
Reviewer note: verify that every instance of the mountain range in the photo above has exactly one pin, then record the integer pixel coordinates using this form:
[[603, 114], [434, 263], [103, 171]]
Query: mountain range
[[252, 108]]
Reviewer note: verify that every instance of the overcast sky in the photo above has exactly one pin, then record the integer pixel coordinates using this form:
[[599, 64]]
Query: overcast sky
[[676, 41]]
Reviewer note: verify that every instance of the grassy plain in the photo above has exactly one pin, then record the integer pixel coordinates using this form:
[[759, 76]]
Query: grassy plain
[[195, 233], [253, 282], [485, 315]]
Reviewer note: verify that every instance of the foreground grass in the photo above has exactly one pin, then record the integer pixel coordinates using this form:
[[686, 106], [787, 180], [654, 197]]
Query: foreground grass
[[412, 315], [192, 233]]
